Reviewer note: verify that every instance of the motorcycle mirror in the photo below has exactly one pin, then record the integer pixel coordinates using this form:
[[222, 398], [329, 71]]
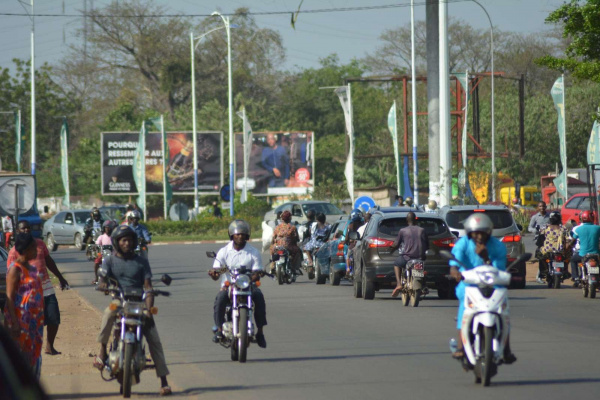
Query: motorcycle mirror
[[353, 236], [166, 279], [102, 273], [211, 254], [522, 258]]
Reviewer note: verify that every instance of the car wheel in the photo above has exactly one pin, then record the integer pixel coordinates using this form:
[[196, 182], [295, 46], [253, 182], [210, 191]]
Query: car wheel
[[79, 242], [368, 289], [334, 277], [51, 243], [357, 284], [319, 277]]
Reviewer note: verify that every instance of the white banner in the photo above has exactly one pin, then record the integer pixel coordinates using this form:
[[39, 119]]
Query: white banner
[[345, 97]]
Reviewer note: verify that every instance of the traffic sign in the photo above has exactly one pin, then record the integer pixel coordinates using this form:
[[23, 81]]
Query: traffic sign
[[17, 192], [365, 203], [224, 192]]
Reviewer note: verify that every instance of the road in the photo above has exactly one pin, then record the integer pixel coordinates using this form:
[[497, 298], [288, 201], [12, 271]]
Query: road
[[324, 344]]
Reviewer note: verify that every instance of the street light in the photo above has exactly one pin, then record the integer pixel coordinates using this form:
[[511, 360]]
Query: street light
[[194, 46], [231, 143], [493, 126]]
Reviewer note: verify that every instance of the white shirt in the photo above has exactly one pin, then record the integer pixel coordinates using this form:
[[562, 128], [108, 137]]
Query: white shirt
[[576, 247], [7, 225], [248, 257]]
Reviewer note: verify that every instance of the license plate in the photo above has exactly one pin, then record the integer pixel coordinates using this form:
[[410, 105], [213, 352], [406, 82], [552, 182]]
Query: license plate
[[417, 274], [558, 264], [593, 270]]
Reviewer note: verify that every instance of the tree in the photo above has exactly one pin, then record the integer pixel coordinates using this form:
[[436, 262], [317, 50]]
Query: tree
[[580, 23]]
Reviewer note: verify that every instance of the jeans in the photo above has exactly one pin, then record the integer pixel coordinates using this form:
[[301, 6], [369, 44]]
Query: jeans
[[575, 260], [260, 308], [151, 335]]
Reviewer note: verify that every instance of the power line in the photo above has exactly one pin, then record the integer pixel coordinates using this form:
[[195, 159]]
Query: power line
[[315, 11]]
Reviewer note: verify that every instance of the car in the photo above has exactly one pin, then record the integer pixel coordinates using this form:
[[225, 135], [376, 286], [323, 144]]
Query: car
[[569, 212], [505, 229], [374, 262], [329, 260], [67, 227], [299, 209], [3, 270], [116, 212]]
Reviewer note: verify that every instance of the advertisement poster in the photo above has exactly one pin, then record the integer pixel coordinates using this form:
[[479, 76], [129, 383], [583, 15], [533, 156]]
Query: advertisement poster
[[280, 163], [118, 150]]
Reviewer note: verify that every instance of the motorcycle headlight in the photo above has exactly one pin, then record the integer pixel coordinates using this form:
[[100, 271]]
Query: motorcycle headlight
[[242, 282], [133, 308]]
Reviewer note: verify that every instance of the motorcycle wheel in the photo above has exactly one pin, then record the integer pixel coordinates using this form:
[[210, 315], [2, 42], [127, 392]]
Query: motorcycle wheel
[[127, 370], [279, 274], [488, 357], [405, 298], [311, 273], [334, 278], [415, 298], [234, 351], [243, 339], [585, 289], [592, 291], [320, 278], [556, 282]]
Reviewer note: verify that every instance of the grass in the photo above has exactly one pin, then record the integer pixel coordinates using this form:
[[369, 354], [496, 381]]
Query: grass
[[196, 238]]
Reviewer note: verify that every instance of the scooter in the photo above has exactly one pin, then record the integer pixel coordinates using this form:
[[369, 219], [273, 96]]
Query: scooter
[[590, 274], [283, 266], [486, 321]]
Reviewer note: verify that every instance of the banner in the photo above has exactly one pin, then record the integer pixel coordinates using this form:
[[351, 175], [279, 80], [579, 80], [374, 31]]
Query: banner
[[345, 96], [558, 95], [247, 145], [291, 153], [593, 149], [139, 168], [64, 161], [19, 139], [463, 176], [119, 148], [159, 123], [393, 127]]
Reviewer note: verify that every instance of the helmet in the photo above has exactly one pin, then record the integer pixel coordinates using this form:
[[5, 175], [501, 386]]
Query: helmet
[[95, 212], [555, 218], [134, 214], [515, 200], [108, 224], [586, 216], [408, 201], [478, 222], [239, 226], [432, 204], [120, 232], [310, 214], [356, 215]]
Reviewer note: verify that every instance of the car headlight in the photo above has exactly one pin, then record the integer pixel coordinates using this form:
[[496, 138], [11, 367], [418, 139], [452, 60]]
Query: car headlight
[[133, 308], [242, 282]]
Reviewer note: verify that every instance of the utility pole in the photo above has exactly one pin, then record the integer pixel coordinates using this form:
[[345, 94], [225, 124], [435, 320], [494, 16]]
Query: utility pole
[[445, 140], [433, 100]]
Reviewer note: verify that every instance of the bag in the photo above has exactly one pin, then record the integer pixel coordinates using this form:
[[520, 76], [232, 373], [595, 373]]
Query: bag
[[540, 239]]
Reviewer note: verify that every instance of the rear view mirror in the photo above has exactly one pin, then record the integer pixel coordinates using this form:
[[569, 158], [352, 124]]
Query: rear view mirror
[[353, 236], [211, 254], [455, 233], [166, 279], [520, 227]]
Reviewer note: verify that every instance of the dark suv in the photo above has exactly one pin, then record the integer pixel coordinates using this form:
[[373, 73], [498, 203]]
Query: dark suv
[[374, 262]]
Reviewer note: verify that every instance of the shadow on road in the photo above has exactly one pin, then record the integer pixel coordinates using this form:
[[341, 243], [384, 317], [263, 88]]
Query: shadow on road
[[548, 382], [82, 395]]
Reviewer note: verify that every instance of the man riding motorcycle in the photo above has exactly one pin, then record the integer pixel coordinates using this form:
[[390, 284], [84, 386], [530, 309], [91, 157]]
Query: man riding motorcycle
[[477, 248], [103, 240], [238, 253], [355, 222], [94, 222], [133, 221], [588, 235], [130, 271]]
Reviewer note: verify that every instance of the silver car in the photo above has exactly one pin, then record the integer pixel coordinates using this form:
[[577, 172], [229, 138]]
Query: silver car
[[299, 209], [505, 229], [67, 227]]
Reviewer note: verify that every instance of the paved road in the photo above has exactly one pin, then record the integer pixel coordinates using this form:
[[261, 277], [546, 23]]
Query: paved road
[[324, 344]]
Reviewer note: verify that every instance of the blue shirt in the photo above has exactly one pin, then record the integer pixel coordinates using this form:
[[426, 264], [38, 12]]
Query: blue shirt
[[141, 231], [588, 235], [276, 158], [464, 251]]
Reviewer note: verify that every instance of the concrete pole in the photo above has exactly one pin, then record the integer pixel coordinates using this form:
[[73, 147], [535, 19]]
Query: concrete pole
[[433, 102], [194, 131], [231, 140], [445, 140], [32, 90], [414, 103]]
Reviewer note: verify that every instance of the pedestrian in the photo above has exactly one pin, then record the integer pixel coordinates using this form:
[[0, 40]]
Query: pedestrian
[[216, 210], [399, 201], [7, 227], [24, 311], [43, 262], [537, 223]]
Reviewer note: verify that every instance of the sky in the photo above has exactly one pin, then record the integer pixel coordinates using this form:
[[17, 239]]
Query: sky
[[349, 34]]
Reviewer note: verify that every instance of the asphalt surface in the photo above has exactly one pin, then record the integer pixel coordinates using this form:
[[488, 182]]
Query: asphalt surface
[[324, 344]]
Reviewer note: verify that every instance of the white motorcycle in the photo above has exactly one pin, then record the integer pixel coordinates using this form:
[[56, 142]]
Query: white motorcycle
[[486, 321]]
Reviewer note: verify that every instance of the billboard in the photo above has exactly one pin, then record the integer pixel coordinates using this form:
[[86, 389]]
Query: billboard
[[118, 150], [281, 163]]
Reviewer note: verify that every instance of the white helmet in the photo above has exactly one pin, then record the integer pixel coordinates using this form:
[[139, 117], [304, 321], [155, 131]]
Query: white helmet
[[133, 214], [478, 222]]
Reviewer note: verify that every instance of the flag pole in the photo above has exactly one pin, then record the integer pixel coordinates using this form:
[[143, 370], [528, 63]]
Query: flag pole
[[164, 139], [246, 156], [565, 139]]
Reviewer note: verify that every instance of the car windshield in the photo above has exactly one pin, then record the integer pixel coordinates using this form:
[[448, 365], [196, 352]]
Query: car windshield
[[325, 208], [500, 218], [432, 226]]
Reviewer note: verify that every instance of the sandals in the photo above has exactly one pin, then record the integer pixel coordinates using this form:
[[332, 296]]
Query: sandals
[[397, 291], [165, 391], [458, 354], [98, 363]]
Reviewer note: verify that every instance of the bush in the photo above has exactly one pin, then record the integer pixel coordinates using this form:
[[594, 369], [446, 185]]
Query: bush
[[206, 226]]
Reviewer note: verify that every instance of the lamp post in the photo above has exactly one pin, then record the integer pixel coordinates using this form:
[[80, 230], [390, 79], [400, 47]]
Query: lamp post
[[231, 142], [493, 126]]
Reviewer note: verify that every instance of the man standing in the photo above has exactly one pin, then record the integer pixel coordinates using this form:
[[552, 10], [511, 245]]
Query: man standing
[[414, 242], [537, 223], [7, 227], [43, 262], [277, 162]]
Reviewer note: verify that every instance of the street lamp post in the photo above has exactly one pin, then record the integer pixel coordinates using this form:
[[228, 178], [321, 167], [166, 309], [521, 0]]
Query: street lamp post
[[231, 142], [493, 126]]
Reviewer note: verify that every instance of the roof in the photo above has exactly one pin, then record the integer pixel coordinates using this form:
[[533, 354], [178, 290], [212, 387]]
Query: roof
[[402, 213], [475, 207]]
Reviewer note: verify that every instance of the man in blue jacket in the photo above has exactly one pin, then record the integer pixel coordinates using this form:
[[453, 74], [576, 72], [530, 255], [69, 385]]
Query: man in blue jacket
[[277, 162]]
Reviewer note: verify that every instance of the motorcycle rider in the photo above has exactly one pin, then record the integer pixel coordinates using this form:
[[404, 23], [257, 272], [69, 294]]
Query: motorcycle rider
[[310, 225], [556, 240], [94, 222], [133, 221], [537, 223], [239, 253], [414, 243], [285, 235], [431, 207], [103, 240], [131, 271], [316, 240], [355, 222], [588, 235], [477, 248]]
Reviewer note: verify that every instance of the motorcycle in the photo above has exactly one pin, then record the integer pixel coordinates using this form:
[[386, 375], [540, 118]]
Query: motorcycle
[[590, 274], [486, 321], [310, 269], [127, 355], [106, 251], [556, 270], [413, 281], [92, 249], [238, 328], [142, 248], [283, 266]]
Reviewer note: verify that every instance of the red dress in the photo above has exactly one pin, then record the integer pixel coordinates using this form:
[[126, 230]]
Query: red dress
[[286, 235]]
